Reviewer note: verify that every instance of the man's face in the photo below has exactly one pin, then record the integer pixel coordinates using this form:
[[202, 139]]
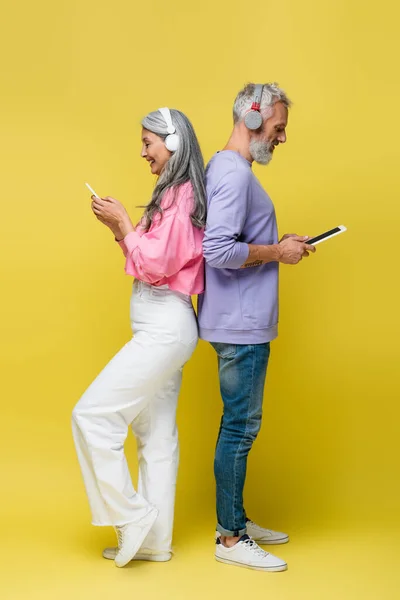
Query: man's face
[[272, 133]]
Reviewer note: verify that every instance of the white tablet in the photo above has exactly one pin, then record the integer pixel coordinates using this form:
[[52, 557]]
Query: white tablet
[[326, 236]]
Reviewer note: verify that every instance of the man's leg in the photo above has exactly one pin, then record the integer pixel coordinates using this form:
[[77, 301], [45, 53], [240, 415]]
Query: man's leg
[[242, 372]]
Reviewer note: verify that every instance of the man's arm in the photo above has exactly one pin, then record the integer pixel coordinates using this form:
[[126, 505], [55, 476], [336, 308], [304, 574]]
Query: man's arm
[[226, 215], [260, 255], [289, 251], [227, 212]]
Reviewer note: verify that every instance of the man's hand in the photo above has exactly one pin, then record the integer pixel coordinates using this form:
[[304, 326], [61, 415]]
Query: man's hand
[[293, 235], [292, 249], [113, 214]]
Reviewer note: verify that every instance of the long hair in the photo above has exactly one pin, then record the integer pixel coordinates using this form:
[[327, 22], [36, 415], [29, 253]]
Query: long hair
[[186, 164]]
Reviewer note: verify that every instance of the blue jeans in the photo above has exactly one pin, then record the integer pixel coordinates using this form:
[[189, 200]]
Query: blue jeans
[[242, 371]]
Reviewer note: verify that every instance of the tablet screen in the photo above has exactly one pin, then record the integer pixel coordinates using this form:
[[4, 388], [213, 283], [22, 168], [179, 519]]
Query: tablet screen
[[322, 236]]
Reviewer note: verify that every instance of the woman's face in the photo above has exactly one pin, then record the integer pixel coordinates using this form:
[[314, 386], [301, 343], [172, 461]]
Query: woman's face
[[154, 151]]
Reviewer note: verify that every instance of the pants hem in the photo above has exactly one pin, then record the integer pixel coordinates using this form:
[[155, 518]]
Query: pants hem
[[151, 508], [231, 532]]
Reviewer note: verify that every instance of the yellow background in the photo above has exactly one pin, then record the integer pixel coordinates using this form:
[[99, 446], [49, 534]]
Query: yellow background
[[77, 77]]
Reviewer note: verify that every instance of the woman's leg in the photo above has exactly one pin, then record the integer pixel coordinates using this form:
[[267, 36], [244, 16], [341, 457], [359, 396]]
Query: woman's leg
[[158, 451], [102, 417]]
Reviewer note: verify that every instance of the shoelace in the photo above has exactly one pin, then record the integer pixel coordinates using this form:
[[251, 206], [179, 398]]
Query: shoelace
[[255, 548], [120, 536]]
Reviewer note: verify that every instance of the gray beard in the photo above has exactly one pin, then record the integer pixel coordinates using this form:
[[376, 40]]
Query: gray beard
[[260, 152]]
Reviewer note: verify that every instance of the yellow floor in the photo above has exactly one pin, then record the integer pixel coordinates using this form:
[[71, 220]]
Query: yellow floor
[[57, 559], [49, 550]]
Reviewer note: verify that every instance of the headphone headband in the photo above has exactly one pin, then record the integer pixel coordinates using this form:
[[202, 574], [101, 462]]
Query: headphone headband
[[253, 119], [166, 113], [172, 139], [258, 90]]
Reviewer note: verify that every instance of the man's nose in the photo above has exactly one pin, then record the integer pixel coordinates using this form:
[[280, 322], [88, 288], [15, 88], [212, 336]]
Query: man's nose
[[282, 137]]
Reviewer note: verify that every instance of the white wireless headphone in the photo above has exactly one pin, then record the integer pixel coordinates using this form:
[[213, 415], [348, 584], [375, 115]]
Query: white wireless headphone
[[172, 139], [253, 120]]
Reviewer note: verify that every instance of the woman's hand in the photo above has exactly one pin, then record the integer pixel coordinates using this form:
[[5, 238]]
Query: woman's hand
[[113, 214]]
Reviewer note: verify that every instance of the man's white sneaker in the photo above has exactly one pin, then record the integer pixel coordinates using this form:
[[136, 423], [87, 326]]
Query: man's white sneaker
[[246, 553], [265, 536], [131, 536], [142, 554]]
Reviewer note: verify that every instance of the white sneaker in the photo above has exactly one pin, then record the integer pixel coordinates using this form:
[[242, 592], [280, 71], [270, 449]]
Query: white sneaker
[[246, 553], [265, 536], [142, 554], [131, 536]]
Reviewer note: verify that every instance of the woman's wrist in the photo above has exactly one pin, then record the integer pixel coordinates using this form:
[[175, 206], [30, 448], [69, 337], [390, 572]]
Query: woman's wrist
[[117, 234], [125, 227]]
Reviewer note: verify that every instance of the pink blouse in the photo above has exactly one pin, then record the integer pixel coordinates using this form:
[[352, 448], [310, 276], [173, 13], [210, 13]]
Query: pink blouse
[[170, 252]]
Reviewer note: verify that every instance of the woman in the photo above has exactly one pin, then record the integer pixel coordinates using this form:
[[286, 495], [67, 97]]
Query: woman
[[140, 386]]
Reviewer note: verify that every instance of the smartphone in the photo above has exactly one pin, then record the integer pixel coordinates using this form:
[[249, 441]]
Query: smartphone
[[325, 236], [92, 190]]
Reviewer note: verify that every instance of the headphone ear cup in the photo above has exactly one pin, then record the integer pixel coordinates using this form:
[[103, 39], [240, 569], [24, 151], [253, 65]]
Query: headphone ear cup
[[172, 142], [253, 120]]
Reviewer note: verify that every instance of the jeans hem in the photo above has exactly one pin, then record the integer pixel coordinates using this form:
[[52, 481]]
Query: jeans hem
[[231, 532]]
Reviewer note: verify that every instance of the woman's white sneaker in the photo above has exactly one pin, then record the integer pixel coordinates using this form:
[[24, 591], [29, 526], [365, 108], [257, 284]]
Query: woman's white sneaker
[[246, 553], [131, 537], [265, 536]]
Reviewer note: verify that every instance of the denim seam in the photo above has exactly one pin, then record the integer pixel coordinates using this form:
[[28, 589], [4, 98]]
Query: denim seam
[[245, 432]]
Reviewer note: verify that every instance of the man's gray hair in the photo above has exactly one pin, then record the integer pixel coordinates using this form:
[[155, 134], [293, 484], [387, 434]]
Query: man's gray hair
[[186, 164], [272, 94]]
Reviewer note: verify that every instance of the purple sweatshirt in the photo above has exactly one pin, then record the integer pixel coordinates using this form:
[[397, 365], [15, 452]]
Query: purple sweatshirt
[[239, 306]]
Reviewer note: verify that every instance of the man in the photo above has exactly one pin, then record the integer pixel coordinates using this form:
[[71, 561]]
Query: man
[[238, 313]]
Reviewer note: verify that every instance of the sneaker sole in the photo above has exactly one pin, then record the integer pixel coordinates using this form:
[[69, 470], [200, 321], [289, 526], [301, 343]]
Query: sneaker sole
[[227, 561], [140, 539], [268, 542], [161, 557]]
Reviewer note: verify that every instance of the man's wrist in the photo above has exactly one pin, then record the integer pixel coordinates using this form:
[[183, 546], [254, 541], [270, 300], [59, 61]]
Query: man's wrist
[[270, 253], [259, 255], [277, 250]]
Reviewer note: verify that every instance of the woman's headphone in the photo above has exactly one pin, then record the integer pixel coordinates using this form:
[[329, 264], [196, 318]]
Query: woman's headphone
[[253, 119], [172, 140]]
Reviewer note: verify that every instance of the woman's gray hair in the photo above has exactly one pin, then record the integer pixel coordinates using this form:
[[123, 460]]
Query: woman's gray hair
[[272, 93], [186, 164]]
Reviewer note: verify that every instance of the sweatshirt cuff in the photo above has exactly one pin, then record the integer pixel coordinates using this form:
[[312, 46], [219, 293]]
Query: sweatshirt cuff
[[241, 255]]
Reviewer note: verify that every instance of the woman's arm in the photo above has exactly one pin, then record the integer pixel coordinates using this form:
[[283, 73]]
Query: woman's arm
[[163, 251], [113, 214]]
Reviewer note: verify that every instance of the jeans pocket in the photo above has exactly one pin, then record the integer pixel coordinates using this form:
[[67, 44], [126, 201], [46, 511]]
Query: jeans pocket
[[224, 350]]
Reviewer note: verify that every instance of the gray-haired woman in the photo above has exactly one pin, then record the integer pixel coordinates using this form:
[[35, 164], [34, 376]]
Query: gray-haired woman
[[140, 386]]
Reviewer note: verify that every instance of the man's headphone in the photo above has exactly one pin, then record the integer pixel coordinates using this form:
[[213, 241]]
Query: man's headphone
[[253, 119], [172, 140]]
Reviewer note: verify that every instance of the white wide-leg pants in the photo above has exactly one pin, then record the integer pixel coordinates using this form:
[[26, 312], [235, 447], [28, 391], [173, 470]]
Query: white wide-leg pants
[[139, 387]]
